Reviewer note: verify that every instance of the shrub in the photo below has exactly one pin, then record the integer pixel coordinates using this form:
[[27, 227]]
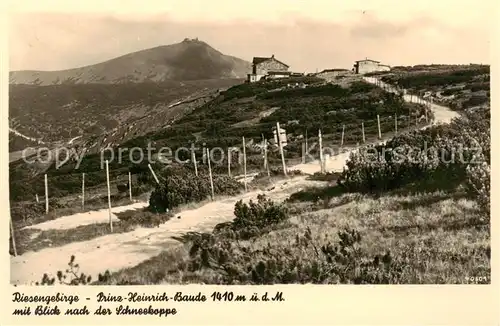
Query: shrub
[[405, 159], [144, 218], [304, 261], [478, 181], [258, 214], [326, 176], [276, 172], [186, 187], [253, 219], [69, 277]]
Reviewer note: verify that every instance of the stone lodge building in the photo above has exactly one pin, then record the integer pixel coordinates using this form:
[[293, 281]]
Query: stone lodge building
[[367, 65], [268, 68]]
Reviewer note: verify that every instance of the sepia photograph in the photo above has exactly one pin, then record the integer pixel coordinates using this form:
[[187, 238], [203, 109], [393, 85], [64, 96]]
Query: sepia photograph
[[260, 143]]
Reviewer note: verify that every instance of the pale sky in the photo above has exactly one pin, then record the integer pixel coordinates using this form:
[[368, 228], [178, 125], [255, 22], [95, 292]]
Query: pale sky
[[307, 35]]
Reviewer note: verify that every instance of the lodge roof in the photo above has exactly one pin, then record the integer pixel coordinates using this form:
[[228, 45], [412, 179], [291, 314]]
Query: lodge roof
[[258, 60]]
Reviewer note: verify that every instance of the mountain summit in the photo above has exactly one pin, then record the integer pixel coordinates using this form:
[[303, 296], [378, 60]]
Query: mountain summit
[[190, 59]]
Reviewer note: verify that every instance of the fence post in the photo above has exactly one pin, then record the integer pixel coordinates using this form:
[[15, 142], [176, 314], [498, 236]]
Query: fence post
[[193, 158], [264, 152], [109, 197], [210, 174], [46, 195], [244, 163], [83, 191], [378, 124], [13, 237], [229, 161], [320, 151], [396, 124], [363, 131], [305, 158], [130, 185], [278, 138], [342, 139], [154, 174], [265, 156]]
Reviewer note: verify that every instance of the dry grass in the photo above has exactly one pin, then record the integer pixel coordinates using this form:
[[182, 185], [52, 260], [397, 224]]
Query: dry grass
[[441, 236], [35, 240]]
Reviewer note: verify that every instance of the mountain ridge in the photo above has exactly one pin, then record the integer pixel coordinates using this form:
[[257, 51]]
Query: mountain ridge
[[190, 59]]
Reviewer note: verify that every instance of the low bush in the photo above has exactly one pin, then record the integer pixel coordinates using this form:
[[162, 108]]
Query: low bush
[[186, 187], [478, 181], [304, 261], [144, 218], [253, 219], [405, 159], [69, 277], [276, 172], [325, 176]]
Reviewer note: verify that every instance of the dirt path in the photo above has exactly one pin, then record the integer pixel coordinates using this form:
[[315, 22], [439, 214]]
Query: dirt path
[[129, 249], [442, 114], [86, 218], [118, 251]]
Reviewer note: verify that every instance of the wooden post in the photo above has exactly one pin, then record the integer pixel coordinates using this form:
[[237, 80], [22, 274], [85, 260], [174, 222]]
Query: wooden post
[[280, 147], [396, 124], [13, 237], [244, 163], [210, 175], [154, 174], [229, 161], [193, 158], [264, 151], [83, 191], [321, 165], [109, 197], [342, 139], [130, 185], [305, 159], [46, 195], [378, 123], [265, 157], [363, 131]]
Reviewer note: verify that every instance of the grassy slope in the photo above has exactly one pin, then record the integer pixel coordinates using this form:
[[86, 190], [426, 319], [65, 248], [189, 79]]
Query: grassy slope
[[48, 112], [441, 235]]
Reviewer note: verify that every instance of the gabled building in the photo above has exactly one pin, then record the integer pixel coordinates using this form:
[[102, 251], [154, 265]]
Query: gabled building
[[267, 67], [367, 65]]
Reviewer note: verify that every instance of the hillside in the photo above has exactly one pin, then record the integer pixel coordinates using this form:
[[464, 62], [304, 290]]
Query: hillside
[[249, 110], [102, 113], [187, 60]]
